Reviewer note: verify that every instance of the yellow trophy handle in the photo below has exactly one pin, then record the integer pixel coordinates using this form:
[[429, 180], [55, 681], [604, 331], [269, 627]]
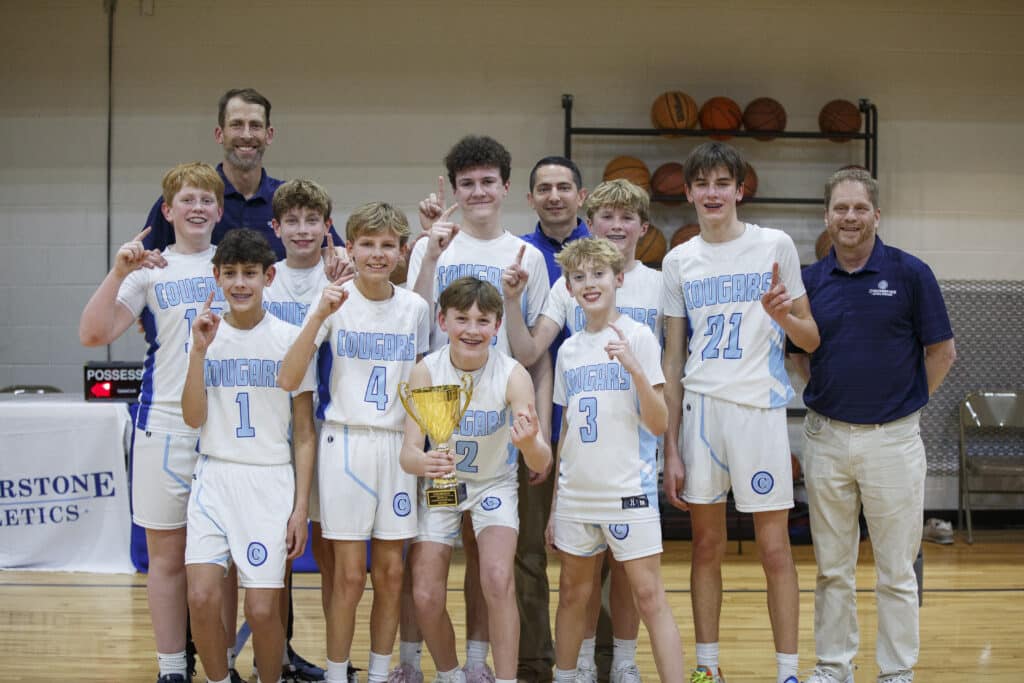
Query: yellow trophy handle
[[405, 396], [466, 390]]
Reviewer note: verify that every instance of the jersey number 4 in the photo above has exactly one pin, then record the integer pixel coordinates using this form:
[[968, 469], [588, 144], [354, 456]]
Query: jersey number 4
[[377, 388], [715, 331]]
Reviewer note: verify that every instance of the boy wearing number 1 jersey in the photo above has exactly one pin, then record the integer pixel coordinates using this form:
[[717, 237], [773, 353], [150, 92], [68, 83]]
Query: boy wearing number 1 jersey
[[376, 332], [731, 297]]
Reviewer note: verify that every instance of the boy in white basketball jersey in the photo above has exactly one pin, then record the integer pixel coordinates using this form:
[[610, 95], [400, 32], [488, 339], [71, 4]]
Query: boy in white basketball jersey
[[374, 333], [249, 505], [500, 419], [479, 170], [732, 295], [608, 378], [167, 290], [618, 211]]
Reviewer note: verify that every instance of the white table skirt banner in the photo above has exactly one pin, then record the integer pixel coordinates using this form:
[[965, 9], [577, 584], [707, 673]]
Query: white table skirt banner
[[64, 502]]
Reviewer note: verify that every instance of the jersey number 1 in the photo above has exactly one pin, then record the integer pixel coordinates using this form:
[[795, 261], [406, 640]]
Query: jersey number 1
[[245, 429]]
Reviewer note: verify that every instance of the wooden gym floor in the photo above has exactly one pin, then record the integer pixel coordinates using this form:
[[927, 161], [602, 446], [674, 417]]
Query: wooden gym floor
[[92, 627]]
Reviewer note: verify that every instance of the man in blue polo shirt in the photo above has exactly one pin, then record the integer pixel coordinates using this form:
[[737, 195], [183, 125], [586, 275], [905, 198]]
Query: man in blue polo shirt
[[556, 193], [244, 131], [886, 345]]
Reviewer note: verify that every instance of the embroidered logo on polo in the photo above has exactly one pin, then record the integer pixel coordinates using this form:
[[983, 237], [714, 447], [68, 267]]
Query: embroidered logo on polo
[[618, 531], [401, 504], [491, 503], [882, 289], [256, 553], [762, 482]]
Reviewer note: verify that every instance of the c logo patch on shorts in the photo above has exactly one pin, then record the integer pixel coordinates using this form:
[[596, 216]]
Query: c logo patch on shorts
[[491, 503], [256, 553], [618, 531], [762, 482], [401, 504]]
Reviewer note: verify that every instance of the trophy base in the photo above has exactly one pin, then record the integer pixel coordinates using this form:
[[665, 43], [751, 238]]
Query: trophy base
[[446, 497]]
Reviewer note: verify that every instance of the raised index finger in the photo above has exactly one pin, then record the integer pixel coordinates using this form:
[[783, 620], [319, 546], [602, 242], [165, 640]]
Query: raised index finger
[[330, 241], [775, 273], [519, 257], [142, 235], [209, 302], [446, 214], [440, 191]]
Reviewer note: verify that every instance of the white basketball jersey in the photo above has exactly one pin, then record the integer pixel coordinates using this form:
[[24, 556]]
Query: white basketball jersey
[[293, 291], [484, 259], [167, 300], [639, 297], [482, 442], [247, 415], [373, 347], [607, 471], [736, 351]]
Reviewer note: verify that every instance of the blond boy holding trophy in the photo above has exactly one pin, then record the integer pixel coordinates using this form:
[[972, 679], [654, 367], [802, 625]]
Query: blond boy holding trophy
[[496, 419], [376, 332]]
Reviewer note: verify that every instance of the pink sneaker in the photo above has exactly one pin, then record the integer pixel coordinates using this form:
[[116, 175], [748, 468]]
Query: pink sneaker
[[480, 673], [404, 673]]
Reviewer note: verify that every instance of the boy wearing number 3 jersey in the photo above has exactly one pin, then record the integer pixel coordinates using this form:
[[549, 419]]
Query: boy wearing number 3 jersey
[[731, 297], [249, 506], [166, 290], [376, 333]]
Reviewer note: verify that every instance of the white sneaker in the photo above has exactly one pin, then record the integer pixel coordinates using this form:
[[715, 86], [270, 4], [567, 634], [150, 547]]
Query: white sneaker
[[823, 675], [479, 673], [626, 674], [935, 531], [901, 677]]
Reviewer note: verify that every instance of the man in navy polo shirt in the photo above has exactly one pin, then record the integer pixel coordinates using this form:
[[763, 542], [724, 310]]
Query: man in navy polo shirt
[[556, 193], [244, 131], [886, 345]]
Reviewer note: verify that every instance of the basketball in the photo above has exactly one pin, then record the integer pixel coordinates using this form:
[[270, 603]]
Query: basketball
[[764, 113], [839, 116], [683, 234], [668, 180], [674, 110], [822, 245], [720, 113], [652, 246], [629, 168], [750, 183]]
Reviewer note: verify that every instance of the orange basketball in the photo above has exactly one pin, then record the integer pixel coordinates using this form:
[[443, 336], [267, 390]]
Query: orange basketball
[[720, 113], [764, 113], [822, 245], [629, 168], [674, 109], [652, 246], [839, 116], [750, 183], [684, 233], [668, 180]]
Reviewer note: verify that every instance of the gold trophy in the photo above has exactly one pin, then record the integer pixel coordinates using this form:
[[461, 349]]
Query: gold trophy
[[438, 411]]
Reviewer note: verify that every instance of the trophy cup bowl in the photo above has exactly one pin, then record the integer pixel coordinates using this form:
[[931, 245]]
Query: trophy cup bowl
[[438, 410]]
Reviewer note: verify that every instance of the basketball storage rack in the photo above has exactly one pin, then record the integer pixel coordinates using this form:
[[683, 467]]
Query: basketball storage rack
[[869, 136]]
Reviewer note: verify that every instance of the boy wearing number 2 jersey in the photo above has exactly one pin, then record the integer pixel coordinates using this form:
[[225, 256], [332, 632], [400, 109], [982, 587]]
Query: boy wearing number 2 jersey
[[166, 290], [375, 332], [731, 297]]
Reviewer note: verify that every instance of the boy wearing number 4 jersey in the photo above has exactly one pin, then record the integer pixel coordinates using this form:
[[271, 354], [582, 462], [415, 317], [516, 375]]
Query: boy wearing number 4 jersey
[[608, 378], [166, 290], [500, 419], [376, 332], [731, 297], [249, 504]]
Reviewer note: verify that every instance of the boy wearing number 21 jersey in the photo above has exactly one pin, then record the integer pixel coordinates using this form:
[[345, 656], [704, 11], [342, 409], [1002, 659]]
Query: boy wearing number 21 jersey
[[376, 332], [731, 297]]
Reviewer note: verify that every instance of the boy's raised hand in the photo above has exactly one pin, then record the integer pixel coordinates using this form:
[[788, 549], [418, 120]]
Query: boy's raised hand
[[776, 300], [514, 277], [433, 206], [337, 263], [525, 426], [442, 232], [333, 296], [204, 327], [132, 255], [618, 349]]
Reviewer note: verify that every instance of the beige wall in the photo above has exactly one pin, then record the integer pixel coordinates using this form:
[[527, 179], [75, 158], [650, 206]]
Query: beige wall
[[368, 96]]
